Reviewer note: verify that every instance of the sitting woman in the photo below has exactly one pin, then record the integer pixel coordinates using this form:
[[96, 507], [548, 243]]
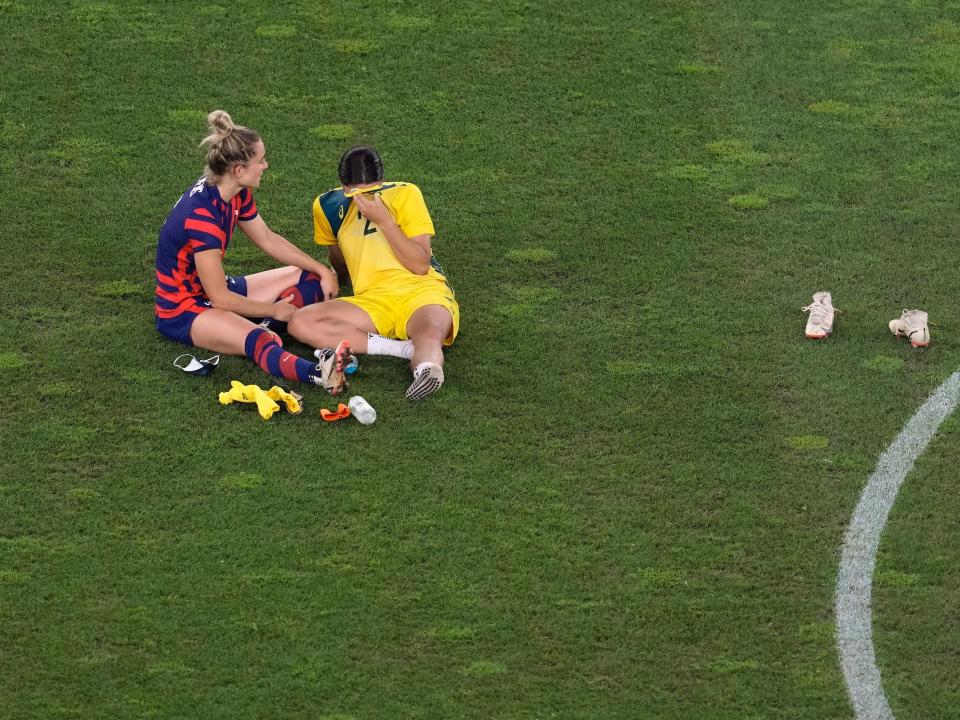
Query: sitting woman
[[380, 234], [197, 304]]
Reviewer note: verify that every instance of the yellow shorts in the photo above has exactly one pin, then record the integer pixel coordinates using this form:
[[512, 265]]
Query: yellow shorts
[[390, 309]]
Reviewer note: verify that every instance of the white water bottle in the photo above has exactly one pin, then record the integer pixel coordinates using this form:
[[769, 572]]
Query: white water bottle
[[362, 410]]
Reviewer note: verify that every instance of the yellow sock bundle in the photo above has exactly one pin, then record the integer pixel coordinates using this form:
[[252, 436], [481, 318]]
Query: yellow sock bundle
[[266, 400]]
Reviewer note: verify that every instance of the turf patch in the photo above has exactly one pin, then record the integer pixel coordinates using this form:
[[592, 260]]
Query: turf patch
[[896, 579], [121, 289], [140, 376], [169, 668], [13, 361], [654, 577], [808, 442], [737, 152], [780, 192], [13, 577], [749, 201], [829, 107], [454, 634], [242, 481], [276, 32], [81, 154], [356, 48], [689, 172], [96, 15], [884, 363], [845, 48], [485, 668], [409, 22], [333, 132], [526, 301]]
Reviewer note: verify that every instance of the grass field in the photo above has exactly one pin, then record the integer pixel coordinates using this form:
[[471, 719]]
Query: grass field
[[627, 500]]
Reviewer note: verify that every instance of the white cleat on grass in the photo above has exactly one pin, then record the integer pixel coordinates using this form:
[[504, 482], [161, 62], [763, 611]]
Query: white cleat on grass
[[330, 369], [427, 379], [820, 322], [912, 325]]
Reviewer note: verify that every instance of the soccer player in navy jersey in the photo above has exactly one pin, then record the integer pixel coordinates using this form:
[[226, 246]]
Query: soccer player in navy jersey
[[197, 304]]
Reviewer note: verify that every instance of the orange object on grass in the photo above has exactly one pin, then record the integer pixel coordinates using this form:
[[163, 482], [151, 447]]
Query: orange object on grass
[[341, 412]]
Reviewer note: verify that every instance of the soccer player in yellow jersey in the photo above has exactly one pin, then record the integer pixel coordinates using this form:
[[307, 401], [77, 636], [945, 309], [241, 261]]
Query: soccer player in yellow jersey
[[380, 234]]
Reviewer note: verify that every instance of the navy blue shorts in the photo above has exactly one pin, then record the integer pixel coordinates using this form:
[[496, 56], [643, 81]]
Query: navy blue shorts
[[177, 328]]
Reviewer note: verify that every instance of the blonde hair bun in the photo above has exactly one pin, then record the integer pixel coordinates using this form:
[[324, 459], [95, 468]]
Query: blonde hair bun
[[220, 122], [227, 144]]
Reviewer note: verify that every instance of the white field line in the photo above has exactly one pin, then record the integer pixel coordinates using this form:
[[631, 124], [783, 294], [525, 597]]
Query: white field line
[[858, 556]]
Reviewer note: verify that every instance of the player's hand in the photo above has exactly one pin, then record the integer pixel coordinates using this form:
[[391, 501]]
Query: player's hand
[[372, 208], [329, 282], [283, 310]]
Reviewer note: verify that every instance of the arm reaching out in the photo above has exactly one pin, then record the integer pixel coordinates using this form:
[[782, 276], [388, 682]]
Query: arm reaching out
[[213, 280], [279, 248]]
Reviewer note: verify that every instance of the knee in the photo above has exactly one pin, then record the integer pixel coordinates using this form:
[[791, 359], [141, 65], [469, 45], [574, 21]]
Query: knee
[[433, 330], [298, 324]]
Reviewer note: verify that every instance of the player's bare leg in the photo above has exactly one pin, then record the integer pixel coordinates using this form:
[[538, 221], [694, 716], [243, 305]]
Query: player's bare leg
[[428, 327], [324, 325]]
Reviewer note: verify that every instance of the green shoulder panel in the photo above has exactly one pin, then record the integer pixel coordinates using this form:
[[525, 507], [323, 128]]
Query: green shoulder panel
[[334, 205]]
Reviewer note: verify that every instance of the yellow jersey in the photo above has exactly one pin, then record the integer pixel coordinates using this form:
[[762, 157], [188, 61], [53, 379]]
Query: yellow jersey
[[369, 257]]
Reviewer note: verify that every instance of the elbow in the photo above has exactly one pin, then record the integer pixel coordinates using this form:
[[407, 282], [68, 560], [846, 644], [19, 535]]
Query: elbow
[[222, 302], [421, 268]]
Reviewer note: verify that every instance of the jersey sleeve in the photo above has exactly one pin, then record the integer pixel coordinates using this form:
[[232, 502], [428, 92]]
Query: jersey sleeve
[[411, 212], [322, 233], [248, 207], [202, 232]]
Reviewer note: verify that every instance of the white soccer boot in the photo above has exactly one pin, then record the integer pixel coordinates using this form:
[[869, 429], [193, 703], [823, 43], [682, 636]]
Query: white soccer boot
[[427, 379], [820, 322], [912, 324], [330, 369]]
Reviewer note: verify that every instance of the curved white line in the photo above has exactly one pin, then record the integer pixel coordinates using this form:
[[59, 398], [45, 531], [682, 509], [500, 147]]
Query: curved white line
[[854, 632]]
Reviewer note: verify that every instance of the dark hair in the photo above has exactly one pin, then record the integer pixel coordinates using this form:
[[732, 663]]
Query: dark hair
[[360, 165], [227, 144]]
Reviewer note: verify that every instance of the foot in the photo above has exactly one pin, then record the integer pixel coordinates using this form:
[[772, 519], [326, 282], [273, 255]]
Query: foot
[[330, 370], [427, 379], [912, 324], [820, 322]]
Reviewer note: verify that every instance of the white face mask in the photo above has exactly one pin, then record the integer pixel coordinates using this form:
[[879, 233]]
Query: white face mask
[[197, 367]]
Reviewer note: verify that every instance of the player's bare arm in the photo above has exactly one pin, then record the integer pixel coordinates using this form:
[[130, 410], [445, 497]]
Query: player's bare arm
[[279, 248], [338, 263], [210, 271], [412, 252]]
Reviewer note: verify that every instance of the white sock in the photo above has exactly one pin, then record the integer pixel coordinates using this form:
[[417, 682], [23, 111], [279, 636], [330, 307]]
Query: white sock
[[379, 345]]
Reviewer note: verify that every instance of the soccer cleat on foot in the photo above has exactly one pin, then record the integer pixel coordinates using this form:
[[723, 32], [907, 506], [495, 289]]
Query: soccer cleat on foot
[[427, 379], [912, 324], [330, 370], [820, 322]]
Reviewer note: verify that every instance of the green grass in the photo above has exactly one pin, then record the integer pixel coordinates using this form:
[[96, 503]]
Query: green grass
[[628, 498]]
